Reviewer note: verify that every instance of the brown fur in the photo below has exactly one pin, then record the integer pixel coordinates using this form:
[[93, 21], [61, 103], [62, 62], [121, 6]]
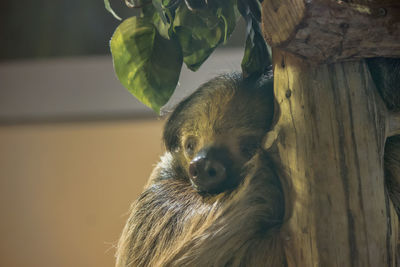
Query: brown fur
[[171, 224]]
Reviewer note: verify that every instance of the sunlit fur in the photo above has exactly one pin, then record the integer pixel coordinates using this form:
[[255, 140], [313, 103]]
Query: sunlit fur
[[171, 224]]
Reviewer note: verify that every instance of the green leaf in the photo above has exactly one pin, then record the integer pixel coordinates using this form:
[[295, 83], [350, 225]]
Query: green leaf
[[147, 64], [200, 32], [137, 3], [160, 10], [256, 58], [109, 9], [156, 14]]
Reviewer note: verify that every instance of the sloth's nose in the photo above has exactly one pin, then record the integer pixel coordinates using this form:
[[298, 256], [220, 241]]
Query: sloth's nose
[[206, 174]]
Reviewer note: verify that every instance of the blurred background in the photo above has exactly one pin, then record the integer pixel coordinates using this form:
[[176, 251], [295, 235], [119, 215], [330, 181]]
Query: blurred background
[[75, 147]]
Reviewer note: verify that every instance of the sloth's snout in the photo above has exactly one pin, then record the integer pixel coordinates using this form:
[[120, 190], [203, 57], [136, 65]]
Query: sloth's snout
[[207, 172]]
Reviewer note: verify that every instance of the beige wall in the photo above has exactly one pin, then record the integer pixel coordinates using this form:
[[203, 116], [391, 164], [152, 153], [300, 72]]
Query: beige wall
[[65, 189]]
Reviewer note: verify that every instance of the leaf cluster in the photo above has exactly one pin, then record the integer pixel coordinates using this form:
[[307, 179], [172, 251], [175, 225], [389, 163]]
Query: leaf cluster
[[148, 51]]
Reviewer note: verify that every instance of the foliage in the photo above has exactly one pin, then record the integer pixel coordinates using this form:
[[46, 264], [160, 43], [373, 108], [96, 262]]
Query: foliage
[[148, 51], [109, 9]]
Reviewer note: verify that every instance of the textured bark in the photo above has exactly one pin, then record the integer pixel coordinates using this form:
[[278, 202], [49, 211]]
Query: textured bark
[[329, 140], [332, 30]]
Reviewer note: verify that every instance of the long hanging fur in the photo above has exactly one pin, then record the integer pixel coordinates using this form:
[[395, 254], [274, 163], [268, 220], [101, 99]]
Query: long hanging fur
[[172, 225]]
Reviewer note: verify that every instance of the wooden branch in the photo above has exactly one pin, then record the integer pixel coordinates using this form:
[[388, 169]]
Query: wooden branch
[[394, 124], [329, 141], [333, 30]]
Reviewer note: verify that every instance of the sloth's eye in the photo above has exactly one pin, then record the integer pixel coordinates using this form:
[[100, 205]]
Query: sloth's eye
[[249, 145], [190, 145]]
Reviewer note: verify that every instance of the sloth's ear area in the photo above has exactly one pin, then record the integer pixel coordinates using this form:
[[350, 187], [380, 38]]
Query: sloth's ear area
[[175, 121]]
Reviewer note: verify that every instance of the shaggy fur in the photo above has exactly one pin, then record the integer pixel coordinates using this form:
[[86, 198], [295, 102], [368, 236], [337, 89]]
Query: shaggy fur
[[171, 224]]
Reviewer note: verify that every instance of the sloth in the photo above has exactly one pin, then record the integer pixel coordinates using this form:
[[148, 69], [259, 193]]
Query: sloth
[[214, 198]]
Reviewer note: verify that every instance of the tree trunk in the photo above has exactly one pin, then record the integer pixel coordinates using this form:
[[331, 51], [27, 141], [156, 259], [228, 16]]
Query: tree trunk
[[331, 130], [330, 140]]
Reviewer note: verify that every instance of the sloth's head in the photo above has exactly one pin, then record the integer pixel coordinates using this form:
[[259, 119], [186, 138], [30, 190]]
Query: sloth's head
[[217, 129]]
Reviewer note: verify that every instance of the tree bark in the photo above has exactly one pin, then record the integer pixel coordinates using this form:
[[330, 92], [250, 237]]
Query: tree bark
[[331, 128], [331, 30], [329, 139]]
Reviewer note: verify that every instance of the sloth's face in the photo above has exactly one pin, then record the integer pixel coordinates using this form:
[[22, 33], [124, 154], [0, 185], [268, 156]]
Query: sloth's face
[[215, 159], [218, 129]]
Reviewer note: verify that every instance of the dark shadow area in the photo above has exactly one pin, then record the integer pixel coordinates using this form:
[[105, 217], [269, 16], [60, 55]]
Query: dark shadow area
[[45, 28]]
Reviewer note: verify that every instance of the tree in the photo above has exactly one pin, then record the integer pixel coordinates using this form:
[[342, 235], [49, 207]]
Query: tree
[[332, 129]]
